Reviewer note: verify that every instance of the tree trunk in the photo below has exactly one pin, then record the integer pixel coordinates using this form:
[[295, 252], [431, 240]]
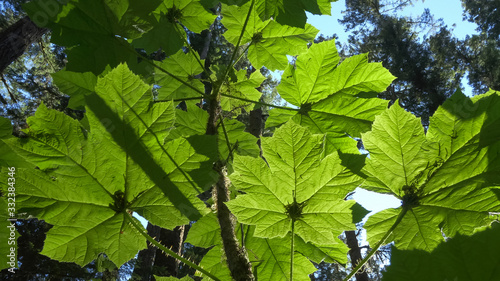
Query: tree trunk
[[174, 239], [153, 261], [143, 269], [15, 39], [355, 254], [236, 256]]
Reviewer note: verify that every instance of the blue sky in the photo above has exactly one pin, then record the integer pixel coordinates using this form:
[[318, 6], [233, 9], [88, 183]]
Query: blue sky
[[449, 10]]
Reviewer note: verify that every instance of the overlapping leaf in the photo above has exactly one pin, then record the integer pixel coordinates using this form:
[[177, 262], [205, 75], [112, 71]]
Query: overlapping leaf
[[270, 257], [9, 158], [76, 85], [289, 12], [269, 41], [194, 122], [244, 88], [185, 67], [461, 258], [328, 95], [167, 33], [88, 181], [95, 32], [447, 180], [296, 182]]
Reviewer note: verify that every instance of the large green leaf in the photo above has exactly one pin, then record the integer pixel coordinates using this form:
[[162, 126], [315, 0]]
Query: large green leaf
[[296, 182], [270, 42], [328, 95], [292, 12], [87, 182], [461, 258], [446, 180], [95, 32]]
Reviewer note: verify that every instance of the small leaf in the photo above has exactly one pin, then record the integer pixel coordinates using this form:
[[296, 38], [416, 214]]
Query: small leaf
[[76, 85], [189, 13], [241, 87], [270, 41], [185, 67]]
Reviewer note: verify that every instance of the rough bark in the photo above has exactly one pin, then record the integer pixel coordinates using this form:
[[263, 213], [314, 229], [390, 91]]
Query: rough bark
[[153, 261], [355, 254], [236, 256], [15, 39], [237, 259], [173, 239]]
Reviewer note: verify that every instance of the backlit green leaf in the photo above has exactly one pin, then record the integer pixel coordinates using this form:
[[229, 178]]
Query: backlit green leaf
[[444, 179], [88, 181], [461, 258], [270, 41], [185, 67], [76, 85], [298, 178], [328, 95]]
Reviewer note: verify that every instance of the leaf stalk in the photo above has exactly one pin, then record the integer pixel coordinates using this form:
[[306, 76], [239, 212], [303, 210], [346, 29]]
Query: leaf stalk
[[165, 249], [377, 246]]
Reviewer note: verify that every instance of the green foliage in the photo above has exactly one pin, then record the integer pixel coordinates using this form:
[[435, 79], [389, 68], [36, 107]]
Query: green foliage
[[460, 258], [339, 109], [284, 191], [422, 170], [157, 136]]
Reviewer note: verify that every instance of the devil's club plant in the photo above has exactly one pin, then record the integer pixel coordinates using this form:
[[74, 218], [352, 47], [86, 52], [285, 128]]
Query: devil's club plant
[[157, 134]]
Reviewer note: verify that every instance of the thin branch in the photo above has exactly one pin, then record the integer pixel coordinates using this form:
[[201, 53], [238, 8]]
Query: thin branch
[[8, 89]]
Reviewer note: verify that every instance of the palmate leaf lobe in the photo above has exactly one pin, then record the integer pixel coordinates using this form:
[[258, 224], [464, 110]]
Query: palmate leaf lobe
[[88, 181], [296, 184], [448, 178]]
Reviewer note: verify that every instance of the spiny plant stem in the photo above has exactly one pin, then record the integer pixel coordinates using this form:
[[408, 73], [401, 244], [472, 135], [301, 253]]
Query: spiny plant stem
[[377, 246], [165, 249]]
